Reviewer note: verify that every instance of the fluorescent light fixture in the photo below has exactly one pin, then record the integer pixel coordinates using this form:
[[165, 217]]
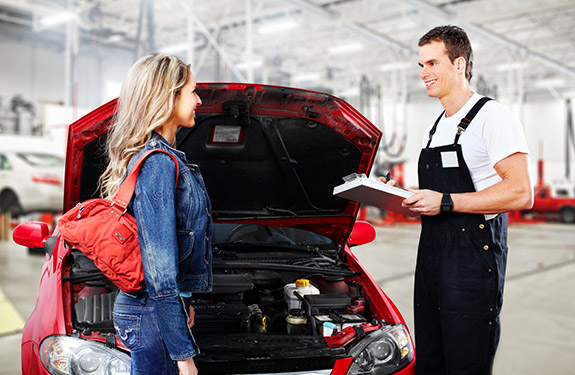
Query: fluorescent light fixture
[[115, 38], [349, 93], [395, 66], [346, 48], [174, 48], [272, 27], [55, 19], [306, 77], [549, 82], [255, 64], [511, 66]]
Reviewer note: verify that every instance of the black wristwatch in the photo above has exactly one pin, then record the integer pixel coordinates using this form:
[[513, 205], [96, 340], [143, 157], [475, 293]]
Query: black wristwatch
[[446, 203]]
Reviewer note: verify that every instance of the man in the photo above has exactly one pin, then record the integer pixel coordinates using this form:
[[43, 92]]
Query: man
[[472, 169]]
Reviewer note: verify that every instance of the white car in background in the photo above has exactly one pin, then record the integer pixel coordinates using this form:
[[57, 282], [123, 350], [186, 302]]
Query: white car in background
[[30, 180]]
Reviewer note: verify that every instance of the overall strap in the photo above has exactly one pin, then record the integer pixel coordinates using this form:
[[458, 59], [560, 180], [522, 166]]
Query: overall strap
[[124, 194], [464, 123], [433, 129]]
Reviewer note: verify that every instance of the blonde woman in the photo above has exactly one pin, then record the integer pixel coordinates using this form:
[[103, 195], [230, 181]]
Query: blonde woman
[[174, 222]]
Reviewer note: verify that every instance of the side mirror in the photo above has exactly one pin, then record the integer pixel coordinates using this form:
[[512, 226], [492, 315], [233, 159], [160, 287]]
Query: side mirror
[[31, 234], [362, 233]]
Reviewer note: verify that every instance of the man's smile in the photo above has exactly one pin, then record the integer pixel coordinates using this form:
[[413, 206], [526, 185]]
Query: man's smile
[[429, 83]]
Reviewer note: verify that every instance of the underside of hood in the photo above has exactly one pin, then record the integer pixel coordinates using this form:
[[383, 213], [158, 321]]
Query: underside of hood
[[267, 154]]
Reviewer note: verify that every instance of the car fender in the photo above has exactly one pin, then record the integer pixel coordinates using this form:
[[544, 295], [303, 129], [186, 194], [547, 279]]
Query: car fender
[[50, 302]]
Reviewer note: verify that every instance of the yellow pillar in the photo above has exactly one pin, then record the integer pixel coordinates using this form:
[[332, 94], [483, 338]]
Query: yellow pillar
[[5, 226]]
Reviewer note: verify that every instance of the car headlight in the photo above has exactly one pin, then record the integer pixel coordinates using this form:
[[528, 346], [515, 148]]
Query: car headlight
[[64, 355], [384, 351]]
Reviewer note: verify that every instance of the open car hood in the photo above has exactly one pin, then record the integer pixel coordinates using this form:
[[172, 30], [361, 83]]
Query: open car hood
[[269, 155]]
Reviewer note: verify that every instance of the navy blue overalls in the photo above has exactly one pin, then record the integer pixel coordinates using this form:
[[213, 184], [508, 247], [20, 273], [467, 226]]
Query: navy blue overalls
[[459, 274]]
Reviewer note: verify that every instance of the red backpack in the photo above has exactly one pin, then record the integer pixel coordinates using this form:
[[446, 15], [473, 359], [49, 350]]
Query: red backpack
[[104, 231]]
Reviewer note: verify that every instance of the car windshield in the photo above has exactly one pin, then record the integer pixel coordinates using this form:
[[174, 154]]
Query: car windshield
[[225, 233], [42, 160]]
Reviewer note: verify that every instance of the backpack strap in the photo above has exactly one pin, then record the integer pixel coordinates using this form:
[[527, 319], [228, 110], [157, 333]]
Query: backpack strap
[[124, 194]]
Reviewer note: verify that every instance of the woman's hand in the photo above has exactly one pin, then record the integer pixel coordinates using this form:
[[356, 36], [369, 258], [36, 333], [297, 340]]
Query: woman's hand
[[191, 315], [187, 367]]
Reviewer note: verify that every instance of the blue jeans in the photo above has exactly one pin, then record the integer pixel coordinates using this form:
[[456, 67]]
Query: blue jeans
[[137, 327]]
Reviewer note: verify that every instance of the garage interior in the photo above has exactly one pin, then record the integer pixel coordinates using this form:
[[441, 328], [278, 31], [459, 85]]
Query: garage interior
[[63, 58]]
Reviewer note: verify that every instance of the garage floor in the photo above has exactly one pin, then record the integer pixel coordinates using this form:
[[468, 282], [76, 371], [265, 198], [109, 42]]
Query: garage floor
[[538, 318]]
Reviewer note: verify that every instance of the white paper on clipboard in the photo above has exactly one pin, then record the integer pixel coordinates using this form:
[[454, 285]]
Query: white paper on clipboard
[[359, 188]]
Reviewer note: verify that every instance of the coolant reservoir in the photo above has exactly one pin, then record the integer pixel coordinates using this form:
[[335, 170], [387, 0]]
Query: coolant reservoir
[[301, 286]]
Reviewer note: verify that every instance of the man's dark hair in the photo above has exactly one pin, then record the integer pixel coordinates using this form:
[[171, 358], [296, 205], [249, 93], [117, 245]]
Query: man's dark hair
[[456, 43]]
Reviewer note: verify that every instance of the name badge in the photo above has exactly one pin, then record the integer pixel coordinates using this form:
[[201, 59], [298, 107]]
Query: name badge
[[449, 159]]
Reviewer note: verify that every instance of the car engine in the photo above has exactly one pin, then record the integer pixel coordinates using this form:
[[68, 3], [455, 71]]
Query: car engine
[[276, 307]]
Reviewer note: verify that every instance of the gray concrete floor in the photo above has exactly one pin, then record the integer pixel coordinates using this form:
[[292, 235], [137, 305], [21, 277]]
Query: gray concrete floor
[[538, 318]]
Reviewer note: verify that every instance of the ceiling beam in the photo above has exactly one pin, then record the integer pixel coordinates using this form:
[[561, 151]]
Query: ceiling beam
[[28, 6], [494, 38], [201, 27], [315, 9], [358, 29]]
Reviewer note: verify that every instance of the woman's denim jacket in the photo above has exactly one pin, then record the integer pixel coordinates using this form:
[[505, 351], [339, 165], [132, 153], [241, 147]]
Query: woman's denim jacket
[[174, 231]]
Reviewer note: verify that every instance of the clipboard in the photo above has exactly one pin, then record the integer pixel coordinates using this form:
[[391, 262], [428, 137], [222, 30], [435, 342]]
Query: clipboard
[[359, 188]]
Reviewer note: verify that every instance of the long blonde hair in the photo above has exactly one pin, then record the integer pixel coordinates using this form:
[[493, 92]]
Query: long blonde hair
[[147, 101]]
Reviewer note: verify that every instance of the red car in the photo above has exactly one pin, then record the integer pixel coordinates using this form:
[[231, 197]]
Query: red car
[[547, 203], [270, 157]]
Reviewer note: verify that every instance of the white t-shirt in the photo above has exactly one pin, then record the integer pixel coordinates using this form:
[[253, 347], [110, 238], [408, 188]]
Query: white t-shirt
[[494, 134]]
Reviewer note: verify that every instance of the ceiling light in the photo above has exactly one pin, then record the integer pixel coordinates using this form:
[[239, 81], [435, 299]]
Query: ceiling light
[[549, 82], [349, 93], [306, 77], [346, 48], [116, 38], [175, 48], [54, 20], [511, 66], [245, 65], [272, 27], [395, 66]]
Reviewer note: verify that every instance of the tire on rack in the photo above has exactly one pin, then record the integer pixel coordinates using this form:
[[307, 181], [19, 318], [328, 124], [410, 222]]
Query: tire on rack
[[9, 203], [567, 214]]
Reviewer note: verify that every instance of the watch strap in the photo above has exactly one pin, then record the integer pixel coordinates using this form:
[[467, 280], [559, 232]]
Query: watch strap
[[446, 203]]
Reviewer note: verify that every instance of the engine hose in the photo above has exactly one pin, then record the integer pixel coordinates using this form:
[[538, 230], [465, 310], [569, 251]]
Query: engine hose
[[308, 312]]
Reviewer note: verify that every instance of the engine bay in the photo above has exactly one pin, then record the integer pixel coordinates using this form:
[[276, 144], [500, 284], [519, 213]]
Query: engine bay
[[274, 302]]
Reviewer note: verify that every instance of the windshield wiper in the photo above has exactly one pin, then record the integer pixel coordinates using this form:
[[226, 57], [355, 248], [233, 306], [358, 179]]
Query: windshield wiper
[[283, 267], [266, 246]]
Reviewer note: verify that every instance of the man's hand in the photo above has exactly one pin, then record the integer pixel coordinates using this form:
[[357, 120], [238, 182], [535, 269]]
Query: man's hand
[[187, 367], [424, 202], [191, 315], [391, 182]]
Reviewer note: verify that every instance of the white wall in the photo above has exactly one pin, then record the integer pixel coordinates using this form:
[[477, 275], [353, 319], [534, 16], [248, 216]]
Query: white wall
[[37, 73], [34, 72]]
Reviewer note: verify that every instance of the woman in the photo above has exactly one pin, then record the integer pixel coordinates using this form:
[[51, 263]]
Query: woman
[[174, 222]]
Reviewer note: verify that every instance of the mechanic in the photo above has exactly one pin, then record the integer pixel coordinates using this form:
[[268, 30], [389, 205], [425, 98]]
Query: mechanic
[[174, 222], [473, 168]]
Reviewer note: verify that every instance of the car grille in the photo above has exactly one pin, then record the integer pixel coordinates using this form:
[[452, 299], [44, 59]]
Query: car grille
[[263, 365]]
